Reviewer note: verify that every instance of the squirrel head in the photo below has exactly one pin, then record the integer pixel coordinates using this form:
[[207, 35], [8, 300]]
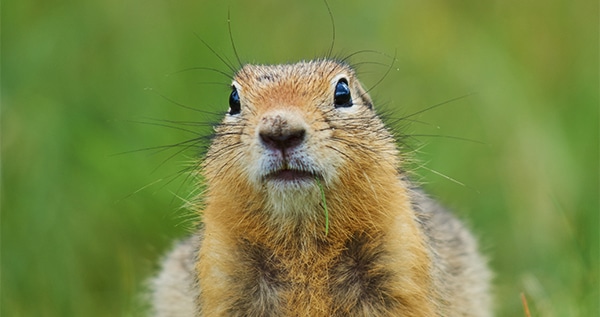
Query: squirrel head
[[289, 125]]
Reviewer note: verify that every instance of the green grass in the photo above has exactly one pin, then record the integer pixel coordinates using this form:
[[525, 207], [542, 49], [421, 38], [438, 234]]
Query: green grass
[[82, 229], [324, 203]]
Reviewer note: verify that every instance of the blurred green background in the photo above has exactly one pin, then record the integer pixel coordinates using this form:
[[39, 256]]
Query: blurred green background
[[83, 228]]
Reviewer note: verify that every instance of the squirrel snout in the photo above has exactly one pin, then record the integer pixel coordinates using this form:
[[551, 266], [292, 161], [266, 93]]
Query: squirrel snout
[[280, 133]]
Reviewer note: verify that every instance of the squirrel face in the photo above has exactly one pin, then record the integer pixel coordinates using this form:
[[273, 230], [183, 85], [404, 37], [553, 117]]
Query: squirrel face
[[290, 124]]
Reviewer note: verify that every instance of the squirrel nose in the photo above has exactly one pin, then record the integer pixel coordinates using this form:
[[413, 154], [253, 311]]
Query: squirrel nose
[[282, 141], [278, 133]]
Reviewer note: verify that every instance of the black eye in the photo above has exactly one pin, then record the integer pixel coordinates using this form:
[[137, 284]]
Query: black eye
[[342, 96], [234, 102]]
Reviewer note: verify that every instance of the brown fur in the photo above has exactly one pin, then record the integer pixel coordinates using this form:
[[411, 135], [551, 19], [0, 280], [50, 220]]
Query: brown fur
[[264, 250]]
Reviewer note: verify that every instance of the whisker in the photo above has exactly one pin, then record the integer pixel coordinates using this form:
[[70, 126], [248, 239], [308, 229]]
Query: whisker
[[220, 152], [216, 83], [339, 152], [436, 106], [160, 148], [387, 72], [183, 149], [180, 104], [229, 163], [189, 69], [349, 143], [184, 123], [220, 134], [448, 178], [331, 19], [393, 122], [233, 70], [445, 137], [347, 57], [237, 56], [138, 190], [164, 125], [369, 63], [188, 171]]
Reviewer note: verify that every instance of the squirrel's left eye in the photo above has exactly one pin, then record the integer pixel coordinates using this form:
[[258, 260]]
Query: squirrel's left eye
[[342, 96], [234, 102]]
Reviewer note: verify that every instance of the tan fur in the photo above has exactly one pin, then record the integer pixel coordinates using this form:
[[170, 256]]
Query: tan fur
[[389, 251]]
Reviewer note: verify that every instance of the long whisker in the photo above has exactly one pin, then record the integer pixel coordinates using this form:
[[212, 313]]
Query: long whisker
[[161, 148], [233, 70], [445, 137], [184, 123], [180, 104], [436, 106], [231, 39], [387, 72], [189, 69], [165, 125], [347, 57], [330, 51]]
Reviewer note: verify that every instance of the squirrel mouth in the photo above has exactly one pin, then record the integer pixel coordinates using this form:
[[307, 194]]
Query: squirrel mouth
[[291, 175]]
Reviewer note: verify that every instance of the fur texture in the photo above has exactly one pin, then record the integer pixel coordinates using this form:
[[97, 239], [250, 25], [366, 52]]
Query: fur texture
[[263, 250]]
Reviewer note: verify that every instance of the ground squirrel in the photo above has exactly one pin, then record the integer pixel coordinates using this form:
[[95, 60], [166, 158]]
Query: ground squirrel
[[309, 213]]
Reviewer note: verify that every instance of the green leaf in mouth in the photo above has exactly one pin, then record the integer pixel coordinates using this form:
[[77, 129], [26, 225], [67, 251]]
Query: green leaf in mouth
[[324, 205]]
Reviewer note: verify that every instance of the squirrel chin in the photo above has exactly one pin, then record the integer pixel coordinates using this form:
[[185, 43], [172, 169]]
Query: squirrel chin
[[291, 198]]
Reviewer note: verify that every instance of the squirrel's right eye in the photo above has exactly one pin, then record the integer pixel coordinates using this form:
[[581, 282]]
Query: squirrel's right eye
[[234, 102]]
